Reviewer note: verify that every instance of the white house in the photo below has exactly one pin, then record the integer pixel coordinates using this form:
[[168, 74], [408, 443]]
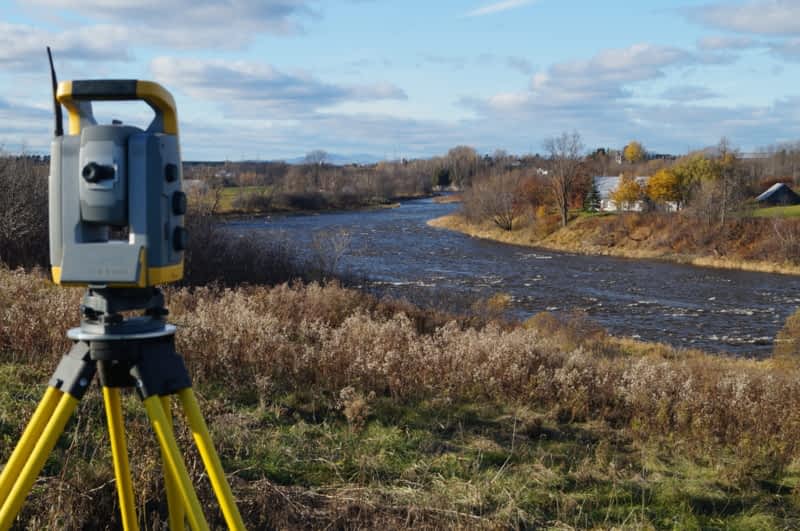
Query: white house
[[606, 184]]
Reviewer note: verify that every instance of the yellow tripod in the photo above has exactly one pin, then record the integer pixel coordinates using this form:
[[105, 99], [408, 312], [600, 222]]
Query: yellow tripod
[[138, 353]]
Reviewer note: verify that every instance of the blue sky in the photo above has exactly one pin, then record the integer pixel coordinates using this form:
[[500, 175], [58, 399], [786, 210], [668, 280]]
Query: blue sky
[[274, 79]]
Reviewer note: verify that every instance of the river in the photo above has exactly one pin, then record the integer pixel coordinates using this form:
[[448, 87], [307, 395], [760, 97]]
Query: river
[[686, 306]]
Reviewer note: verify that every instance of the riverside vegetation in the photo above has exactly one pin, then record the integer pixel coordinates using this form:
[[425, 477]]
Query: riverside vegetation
[[749, 243], [697, 209], [331, 408]]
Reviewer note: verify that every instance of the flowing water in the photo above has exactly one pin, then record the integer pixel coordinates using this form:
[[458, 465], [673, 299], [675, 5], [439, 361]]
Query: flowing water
[[734, 311]]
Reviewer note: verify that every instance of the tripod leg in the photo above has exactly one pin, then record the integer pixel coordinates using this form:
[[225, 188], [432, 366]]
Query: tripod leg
[[174, 503], [210, 459], [55, 426], [174, 462], [119, 453], [27, 441]]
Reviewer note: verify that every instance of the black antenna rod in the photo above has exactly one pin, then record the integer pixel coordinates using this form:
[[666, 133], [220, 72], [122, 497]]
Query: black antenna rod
[[59, 117]]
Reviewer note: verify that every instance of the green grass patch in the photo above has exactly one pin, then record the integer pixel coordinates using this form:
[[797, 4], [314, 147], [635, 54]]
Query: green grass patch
[[451, 464], [778, 212], [229, 194]]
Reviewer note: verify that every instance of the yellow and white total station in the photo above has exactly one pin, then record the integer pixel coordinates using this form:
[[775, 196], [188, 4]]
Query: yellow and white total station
[[117, 227]]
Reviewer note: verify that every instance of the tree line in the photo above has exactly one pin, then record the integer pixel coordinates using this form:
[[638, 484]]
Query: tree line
[[714, 184]]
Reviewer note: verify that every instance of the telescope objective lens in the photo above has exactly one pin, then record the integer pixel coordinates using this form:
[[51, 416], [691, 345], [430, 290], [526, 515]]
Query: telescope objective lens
[[94, 172]]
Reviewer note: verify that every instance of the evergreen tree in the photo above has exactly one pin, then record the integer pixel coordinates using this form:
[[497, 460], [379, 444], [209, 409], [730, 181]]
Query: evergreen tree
[[592, 201]]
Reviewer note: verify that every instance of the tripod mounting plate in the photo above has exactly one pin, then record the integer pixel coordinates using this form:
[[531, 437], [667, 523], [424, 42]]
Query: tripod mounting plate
[[79, 334]]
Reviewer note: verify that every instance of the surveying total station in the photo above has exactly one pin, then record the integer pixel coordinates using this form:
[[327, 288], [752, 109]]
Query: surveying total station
[[116, 227]]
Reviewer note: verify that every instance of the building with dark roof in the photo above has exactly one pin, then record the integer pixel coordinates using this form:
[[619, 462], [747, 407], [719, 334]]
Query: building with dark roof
[[779, 194]]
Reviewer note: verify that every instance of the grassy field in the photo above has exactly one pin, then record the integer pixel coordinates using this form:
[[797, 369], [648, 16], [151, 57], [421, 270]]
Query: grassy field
[[778, 212], [427, 464], [333, 409]]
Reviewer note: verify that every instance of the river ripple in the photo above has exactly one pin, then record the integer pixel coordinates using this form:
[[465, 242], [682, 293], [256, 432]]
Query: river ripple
[[734, 311]]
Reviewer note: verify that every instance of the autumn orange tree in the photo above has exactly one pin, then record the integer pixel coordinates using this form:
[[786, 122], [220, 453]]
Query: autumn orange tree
[[664, 187], [628, 191], [634, 152]]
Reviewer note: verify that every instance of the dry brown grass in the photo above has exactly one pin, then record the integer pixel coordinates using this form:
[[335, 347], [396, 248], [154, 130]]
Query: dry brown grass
[[447, 199], [342, 350], [322, 339]]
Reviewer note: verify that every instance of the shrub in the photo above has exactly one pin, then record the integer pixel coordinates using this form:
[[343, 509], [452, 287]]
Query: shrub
[[24, 236], [260, 201]]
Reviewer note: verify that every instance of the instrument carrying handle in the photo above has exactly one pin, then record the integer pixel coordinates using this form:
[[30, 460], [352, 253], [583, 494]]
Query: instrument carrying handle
[[77, 95]]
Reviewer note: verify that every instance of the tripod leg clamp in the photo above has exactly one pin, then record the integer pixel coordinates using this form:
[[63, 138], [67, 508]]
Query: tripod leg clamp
[[75, 371], [152, 366]]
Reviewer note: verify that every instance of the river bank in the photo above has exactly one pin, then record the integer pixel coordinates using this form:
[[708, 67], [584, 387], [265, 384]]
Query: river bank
[[610, 236], [254, 201]]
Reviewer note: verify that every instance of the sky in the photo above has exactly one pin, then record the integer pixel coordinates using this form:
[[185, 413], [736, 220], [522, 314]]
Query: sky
[[276, 79]]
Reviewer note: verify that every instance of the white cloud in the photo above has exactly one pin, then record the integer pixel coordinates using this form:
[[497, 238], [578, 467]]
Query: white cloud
[[607, 75], [497, 7], [192, 24], [787, 49], [242, 86], [514, 62], [719, 42], [688, 93], [764, 17], [23, 47], [595, 97]]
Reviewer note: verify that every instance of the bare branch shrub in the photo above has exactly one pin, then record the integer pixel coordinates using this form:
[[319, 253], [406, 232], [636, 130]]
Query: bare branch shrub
[[328, 248], [24, 237], [217, 255], [495, 197]]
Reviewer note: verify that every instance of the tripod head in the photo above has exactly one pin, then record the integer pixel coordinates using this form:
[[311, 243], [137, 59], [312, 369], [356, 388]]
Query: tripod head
[[116, 203]]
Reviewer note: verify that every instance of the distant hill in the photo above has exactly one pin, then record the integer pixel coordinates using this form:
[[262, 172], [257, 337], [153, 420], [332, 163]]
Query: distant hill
[[337, 159]]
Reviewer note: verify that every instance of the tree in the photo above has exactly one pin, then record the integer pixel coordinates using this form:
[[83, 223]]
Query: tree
[[462, 161], [565, 160], [317, 157], [690, 172], [496, 197], [633, 152], [592, 201], [500, 196], [717, 184], [664, 187], [729, 178], [501, 159], [442, 177], [628, 191], [599, 161]]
